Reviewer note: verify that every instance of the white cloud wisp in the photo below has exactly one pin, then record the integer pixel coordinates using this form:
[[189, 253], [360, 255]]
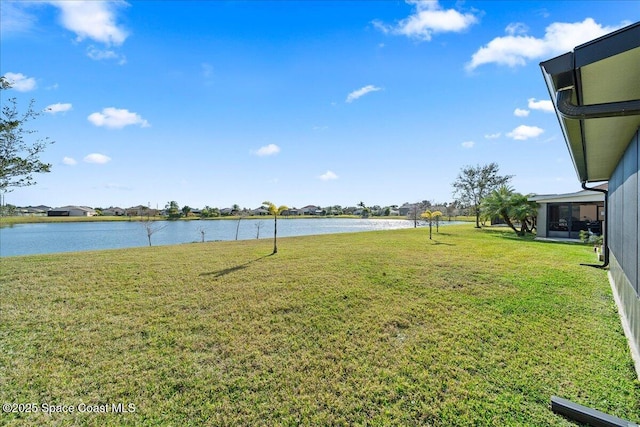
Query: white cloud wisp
[[468, 144], [517, 48], [427, 19], [361, 92], [97, 158], [542, 105], [267, 150], [70, 161], [115, 118], [328, 176], [58, 108], [20, 82], [95, 20], [524, 132]]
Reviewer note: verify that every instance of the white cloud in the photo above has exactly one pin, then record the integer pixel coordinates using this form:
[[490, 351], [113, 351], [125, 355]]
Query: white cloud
[[516, 28], [95, 20], [493, 135], [361, 92], [57, 108], [543, 105], [517, 48], [15, 19], [115, 118], [468, 144], [427, 19], [267, 150], [524, 132], [105, 54], [69, 161], [20, 82], [518, 112], [328, 176], [97, 158]]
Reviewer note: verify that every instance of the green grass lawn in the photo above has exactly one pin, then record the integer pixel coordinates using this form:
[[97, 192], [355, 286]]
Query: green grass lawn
[[475, 327]]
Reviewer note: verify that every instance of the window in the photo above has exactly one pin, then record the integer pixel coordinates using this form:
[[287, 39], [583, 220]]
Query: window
[[568, 219]]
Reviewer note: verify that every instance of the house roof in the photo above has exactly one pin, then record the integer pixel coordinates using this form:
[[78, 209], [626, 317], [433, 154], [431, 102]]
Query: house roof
[[596, 95], [577, 197], [80, 208]]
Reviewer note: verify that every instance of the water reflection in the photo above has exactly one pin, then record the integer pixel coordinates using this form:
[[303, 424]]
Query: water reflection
[[40, 238]]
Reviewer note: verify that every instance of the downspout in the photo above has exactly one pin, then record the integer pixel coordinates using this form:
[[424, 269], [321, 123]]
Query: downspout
[[605, 242], [569, 110]]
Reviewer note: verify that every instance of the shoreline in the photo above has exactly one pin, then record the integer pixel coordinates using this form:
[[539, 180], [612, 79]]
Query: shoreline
[[15, 220]]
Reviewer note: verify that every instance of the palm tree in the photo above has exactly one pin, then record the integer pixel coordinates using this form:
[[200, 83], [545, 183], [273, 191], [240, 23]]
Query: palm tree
[[275, 212], [524, 211], [500, 202], [431, 216]]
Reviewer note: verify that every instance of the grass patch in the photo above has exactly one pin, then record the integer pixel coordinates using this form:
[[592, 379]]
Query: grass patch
[[377, 328]]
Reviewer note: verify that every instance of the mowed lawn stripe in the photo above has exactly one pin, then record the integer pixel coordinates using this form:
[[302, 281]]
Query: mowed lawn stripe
[[475, 327]]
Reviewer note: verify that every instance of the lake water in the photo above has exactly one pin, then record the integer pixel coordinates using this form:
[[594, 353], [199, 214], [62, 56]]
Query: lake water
[[41, 238]]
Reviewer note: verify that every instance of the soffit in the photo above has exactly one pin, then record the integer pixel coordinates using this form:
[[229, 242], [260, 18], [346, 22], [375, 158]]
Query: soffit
[[613, 79]]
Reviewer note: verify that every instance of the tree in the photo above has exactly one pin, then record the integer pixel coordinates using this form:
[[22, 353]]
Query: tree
[[186, 210], [19, 159], [475, 183], [202, 231], [150, 227], [525, 212], [451, 209], [173, 209], [414, 214], [511, 206], [499, 203], [275, 212], [240, 216], [258, 226], [431, 217]]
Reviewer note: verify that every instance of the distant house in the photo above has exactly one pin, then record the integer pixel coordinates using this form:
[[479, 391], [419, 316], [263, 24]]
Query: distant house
[[33, 211], [72, 211], [113, 211], [226, 211], [141, 210], [292, 212], [311, 210], [596, 95], [349, 210], [565, 215], [260, 211], [405, 209]]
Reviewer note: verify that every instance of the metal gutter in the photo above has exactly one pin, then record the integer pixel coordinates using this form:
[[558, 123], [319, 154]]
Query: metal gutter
[[586, 415], [569, 110]]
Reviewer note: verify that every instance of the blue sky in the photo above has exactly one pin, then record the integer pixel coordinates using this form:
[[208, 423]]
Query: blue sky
[[314, 102]]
